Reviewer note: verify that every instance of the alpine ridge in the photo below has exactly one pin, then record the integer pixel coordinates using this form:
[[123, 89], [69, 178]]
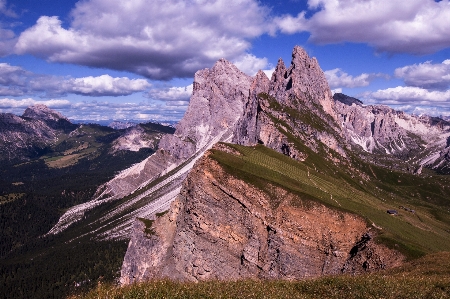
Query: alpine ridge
[[221, 227], [274, 178], [226, 105]]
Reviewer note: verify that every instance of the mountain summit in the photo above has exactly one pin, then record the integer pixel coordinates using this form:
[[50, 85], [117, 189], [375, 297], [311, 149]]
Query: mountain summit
[[42, 112]]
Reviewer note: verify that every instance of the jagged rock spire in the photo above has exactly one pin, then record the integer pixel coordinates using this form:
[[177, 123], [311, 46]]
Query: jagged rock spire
[[304, 80], [247, 128]]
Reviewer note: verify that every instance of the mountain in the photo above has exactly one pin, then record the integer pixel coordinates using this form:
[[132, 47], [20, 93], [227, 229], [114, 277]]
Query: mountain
[[41, 132], [345, 161], [28, 136], [230, 225], [262, 179], [151, 185]]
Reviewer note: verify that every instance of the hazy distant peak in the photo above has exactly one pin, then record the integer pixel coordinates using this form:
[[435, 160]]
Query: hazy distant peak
[[40, 111]]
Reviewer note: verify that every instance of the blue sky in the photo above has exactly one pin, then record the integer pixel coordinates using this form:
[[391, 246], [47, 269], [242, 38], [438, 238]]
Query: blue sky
[[135, 59]]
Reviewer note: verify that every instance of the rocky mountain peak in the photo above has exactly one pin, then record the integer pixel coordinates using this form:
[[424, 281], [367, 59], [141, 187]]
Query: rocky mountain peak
[[278, 81], [260, 83], [42, 112], [304, 80], [280, 70], [299, 53]]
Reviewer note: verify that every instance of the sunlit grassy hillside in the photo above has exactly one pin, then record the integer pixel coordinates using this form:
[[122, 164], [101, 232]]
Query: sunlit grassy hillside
[[423, 221]]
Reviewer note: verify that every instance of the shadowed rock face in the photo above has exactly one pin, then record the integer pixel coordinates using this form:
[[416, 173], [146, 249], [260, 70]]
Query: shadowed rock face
[[42, 112], [225, 105], [303, 80], [221, 227], [214, 109]]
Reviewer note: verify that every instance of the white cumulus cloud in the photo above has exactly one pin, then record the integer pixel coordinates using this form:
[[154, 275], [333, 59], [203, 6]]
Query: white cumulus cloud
[[7, 103], [250, 64], [418, 26], [101, 110], [16, 81], [426, 75], [337, 79], [156, 39], [410, 95], [106, 85], [172, 94]]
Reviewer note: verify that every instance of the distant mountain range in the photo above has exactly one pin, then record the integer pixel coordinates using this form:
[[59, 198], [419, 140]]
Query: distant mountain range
[[122, 124], [41, 131], [47, 165]]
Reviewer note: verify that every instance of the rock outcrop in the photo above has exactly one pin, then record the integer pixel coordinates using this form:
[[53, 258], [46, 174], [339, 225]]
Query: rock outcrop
[[221, 227], [227, 105], [215, 107], [140, 136], [42, 112]]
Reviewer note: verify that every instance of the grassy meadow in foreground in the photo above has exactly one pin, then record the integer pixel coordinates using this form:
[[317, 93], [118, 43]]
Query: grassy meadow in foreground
[[427, 277]]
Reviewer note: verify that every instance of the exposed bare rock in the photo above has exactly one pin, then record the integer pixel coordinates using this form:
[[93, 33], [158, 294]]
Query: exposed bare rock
[[221, 227], [367, 256], [295, 103], [42, 112], [135, 138], [346, 99], [215, 107], [248, 127], [303, 80], [420, 140]]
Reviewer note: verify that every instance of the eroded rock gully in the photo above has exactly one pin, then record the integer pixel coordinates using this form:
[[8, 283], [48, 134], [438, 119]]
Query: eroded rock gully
[[221, 227]]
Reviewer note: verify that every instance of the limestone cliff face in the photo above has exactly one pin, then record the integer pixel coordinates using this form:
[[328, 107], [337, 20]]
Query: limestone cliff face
[[221, 227], [227, 105], [214, 109], [303, 80]]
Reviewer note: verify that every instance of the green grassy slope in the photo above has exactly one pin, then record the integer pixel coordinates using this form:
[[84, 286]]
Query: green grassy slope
[[428, 277], [425, 230]]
